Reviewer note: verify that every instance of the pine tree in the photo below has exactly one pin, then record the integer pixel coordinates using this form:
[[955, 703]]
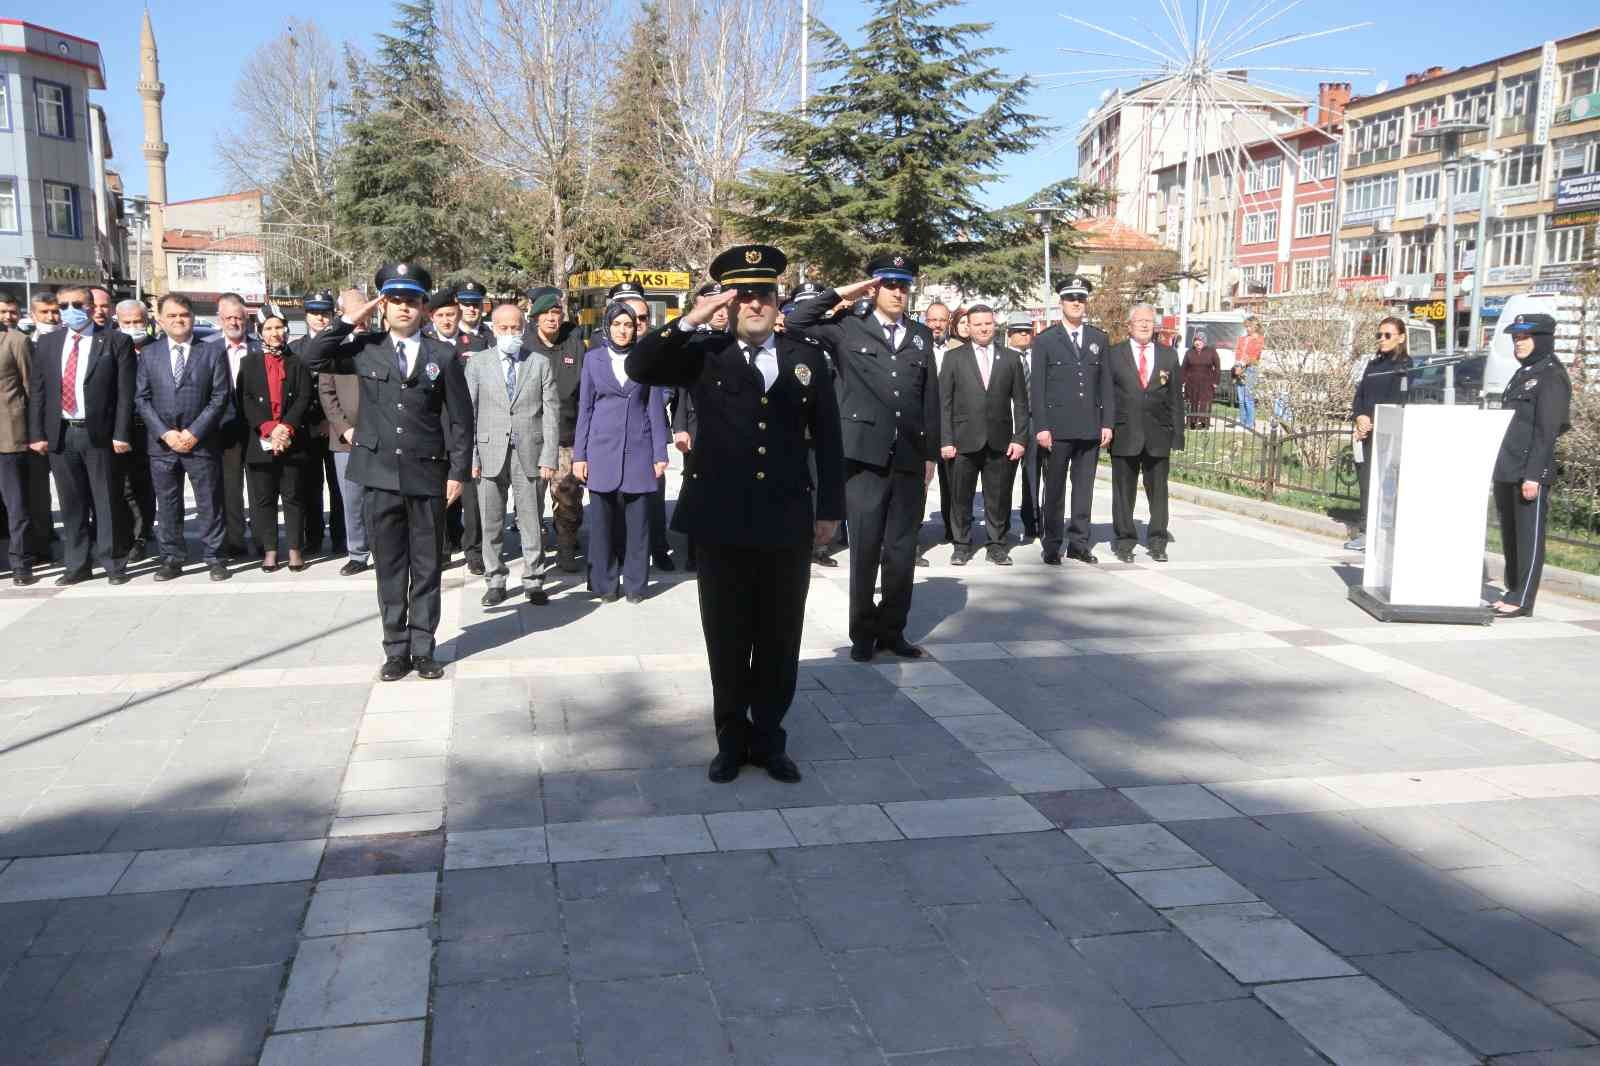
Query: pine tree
[[894, 152], [392, 186]]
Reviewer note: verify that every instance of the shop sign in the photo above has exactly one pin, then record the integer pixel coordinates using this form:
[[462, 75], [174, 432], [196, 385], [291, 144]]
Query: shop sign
[[1509, 275], [1371, 214], [1431, 310], [1580, 190], [13, 272], [67, 272], [1570, 219], [1363, 281], [1584, 108], [1549, 74], [1492, 306]]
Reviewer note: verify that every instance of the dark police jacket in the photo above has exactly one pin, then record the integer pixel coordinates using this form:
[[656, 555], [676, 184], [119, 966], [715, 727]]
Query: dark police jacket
[[1148, 419], [1073, 394], [566, 360], [888, 400], [751, 481], [412, 434], [973, 416], [1539, 397]]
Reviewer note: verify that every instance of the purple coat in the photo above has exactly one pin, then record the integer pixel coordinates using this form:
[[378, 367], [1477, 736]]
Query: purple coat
[[622, 429]]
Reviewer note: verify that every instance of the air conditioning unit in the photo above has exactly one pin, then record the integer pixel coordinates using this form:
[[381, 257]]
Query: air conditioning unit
[[1433, 217], [1384, 224]]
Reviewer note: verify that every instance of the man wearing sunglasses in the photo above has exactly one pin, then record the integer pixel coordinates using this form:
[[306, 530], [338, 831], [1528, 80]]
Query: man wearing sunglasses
[[889, 411]]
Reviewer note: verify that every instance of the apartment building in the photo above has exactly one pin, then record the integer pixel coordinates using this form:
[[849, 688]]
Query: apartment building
[[1539, 158]]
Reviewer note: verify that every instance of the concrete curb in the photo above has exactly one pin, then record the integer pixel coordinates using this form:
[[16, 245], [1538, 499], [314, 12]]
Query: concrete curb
[[1557, 579]]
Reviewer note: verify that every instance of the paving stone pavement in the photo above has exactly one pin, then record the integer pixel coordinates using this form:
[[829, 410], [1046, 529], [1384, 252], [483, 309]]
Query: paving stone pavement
[[1206, 813]]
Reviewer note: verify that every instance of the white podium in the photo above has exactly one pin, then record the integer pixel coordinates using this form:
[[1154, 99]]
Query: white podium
[[1426, 513]]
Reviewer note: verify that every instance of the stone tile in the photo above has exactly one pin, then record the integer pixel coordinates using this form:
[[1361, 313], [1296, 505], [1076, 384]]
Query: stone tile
[[404, 725], [625, 837], [475, 849], [391, 1044], [62, 876], [1179, 803], [977, 816], [395, 853], [1539, 962], [616, 937], [730, 887], [507, 958], [109, 923], [187, 1018], [685, 790], [385, 824], [866, 780], [951, 701], [1255, 944], [370, 904], [1282, 796], [242, 864], [1589, 1056], [953, 774], [848, 677], [1248, 852], [1353, 1021], [1238, 1032], [1187, 888], [1063, 1030], [942, 872], [505, 1022], [677, 1012], [750, 830], [394, 773], [1039, 771], [845, 919], [353, 980], [224, 928], [993, 732], [390, 801], [767, 967], [922, 738], [834, 1036], [1345, 918], [1007, 945], [840, 824], [1472, 1004], [1090, 807], [1084, 900], [1121, 848], [151, 830], [1014, 1055], [479, 904], [920, 1000], [915, 675], [1157, 969]]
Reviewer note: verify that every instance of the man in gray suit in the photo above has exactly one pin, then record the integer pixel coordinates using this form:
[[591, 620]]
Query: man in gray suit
[[518, 414]]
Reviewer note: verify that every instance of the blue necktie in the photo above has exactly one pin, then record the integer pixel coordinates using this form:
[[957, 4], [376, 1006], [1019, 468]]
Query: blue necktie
[[400, 353], [511, 378], [177, 364]]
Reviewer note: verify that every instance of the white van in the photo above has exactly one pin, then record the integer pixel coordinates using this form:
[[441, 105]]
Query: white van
[[1565, 308]]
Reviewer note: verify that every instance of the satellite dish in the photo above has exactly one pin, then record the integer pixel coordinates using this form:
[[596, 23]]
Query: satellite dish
[[1105, 94], [1382, 87], [567, 267]]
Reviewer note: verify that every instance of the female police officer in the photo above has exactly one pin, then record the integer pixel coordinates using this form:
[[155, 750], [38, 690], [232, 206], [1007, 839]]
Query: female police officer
[[1539, 395]]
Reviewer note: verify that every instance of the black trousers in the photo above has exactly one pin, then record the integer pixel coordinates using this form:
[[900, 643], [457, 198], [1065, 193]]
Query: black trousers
[[139, 490], [89, 485], [619, 542], [943, 471], [1364, 485], [998, 474], [1522, 529], [406, 534], [284, 479], [14, 494], [464, 524], [1075, 460], [884, 508], [41, 516], [204, 470], [1125, 471], [322, 516], [658, 519], [233, 492], [1032, 468], [752, 609]]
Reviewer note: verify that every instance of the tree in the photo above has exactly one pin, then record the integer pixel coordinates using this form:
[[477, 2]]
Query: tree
[[1126, 279], [894, 152]]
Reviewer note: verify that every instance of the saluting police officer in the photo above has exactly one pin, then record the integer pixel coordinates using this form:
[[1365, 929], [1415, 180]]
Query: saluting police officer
[[412, 451], [1074, 408], [763, 400], [889, 410], [322, 469]]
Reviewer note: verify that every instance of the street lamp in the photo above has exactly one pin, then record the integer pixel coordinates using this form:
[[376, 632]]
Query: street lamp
[[1448, 134], [137, 208], [27, 281], [1486, 160], [1044, 214]]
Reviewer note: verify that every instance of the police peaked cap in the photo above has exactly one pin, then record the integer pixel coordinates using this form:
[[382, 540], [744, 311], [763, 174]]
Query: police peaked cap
[[395, 278], [1536, 325], [322, 301], [894, 266], [749, 266], [625, 290], [469, 292], [1074, 285]]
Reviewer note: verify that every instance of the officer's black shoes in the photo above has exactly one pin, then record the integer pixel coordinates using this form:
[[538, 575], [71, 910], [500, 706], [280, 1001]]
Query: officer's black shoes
[[635, 597], [1000, 557], [820, 557], [23, 577], [136, 553], [1158, 555], [725, 767], [537, 596], [352, 568], [861, 651], [1052, 558], [922, 560], [428, 668], [119, 578], [961, 556], [1124, 555], [219, 572], [567, 559], [1028, 537], [664, 563], [609, 597], [394, 668], [779, 767], [493, 597], [902, 647], [168, 570], [475, 567], [1083, 555], [72, 579]]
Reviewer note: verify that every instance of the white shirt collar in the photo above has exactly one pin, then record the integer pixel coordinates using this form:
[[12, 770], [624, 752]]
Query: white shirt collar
[[898, 323]]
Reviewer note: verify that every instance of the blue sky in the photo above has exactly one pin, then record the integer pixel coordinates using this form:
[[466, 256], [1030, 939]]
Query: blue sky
[[200, 45]]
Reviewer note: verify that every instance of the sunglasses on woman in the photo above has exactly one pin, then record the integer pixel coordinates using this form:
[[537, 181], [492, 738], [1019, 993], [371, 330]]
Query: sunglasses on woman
[[1384, 335]]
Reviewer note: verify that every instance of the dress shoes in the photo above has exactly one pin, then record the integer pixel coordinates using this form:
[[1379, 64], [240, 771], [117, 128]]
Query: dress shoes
[[902, 647], [352, 568], [778, 766], [961, 556], [1000, 557], [821, 558], [394, 668], [168, 570], [922, 560], [428, 668], [475, 567], [1520, 612], [1028, 537], [22, 577], [119, 578], [1051, 558], [609, 597], [725, 767], [861, 651], [1123, 555], [493, 597], [136, 553], [1083, 555], [219, 571], [664, 563], [73, 578], [1158, 555], [537, 596], [635, 597], [567, 559], [297, 568]]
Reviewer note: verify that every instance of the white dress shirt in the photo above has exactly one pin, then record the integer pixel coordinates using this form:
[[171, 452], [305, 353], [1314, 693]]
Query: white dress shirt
[[85, 342], [236, 354], [899, 325], [766, 361], [410, 346]]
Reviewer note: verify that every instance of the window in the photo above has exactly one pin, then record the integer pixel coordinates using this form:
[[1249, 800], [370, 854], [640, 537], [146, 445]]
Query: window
[[1511, 242], [1579, 78], [1304, 273], [1565, 246], [1365, 258], [5, 100], [1373, 195], [1519, 97], [1325, 216], [1416, 252], [1376, 138], [1580, 155], [53, 103], [1309, 160], [1269, 225], [1466, 250], [1264, 174], [1422, 186], [1475, 104], [1521, 167], [1252, 228], [1467, 180], [1324, 272], [8, 203], [191, 268], [1258, 279], [1305, 220], [1423, 117], [61, 210], [1330, 161]]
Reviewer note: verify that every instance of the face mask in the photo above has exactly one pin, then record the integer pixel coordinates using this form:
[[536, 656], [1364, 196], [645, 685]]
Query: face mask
[[75, 318], [137, 333], [508, 344], [44, 329]]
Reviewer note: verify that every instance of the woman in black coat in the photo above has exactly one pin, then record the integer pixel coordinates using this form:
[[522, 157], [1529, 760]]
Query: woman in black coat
[[274, 395], [1380, 383], [1539, 396], [1202, 371]]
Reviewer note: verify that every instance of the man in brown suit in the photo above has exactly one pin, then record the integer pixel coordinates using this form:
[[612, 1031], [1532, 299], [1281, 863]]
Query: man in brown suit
[[15, 352], [341, 396]]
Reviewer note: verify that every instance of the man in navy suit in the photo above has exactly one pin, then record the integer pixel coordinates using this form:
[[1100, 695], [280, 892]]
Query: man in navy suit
[[80, 413], [182, 394]]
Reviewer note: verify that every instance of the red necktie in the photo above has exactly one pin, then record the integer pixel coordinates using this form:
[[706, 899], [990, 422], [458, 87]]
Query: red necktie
[[1144, 366], [69, 380]]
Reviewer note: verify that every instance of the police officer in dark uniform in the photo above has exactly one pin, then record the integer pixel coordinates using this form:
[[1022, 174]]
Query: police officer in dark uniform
[[412, 451], [685, 426], [763, 401], [562, 344], [1074, 408], [889, 410], [474, 325], [319, 307], [821, 554], [1539, 395]]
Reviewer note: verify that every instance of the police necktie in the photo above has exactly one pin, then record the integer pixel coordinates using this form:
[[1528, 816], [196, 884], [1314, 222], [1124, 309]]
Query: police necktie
[[400, 354], [177, 364], [1077, 340], [892, 331]]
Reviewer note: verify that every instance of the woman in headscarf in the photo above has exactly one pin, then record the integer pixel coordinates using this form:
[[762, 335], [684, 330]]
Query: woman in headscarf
[[619, 450], [274, 395], [1539, 397], [1202, 370]]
